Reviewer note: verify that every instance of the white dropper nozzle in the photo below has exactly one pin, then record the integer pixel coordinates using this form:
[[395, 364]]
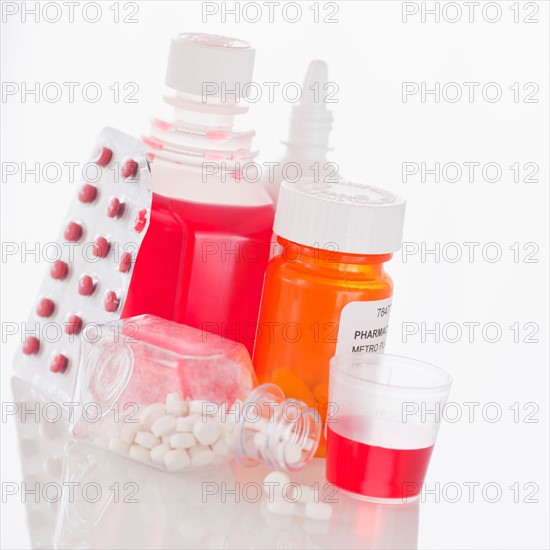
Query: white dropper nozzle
[[311, 120]]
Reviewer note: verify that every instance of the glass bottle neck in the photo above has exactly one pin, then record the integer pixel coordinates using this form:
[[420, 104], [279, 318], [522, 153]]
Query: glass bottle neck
[[281, 433]]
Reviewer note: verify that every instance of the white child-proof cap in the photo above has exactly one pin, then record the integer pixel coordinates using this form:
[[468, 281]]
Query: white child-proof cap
[[348, 217], [197, 60]]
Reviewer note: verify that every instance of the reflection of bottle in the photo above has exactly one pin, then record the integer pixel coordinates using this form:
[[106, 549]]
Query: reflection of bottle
[[42, 431], [374, 526], [327, 291], [203, 259], [116, 503], [164, 395], [307, 141]]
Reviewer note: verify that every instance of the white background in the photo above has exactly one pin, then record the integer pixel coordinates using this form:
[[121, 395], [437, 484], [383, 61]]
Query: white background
[[370, 52]]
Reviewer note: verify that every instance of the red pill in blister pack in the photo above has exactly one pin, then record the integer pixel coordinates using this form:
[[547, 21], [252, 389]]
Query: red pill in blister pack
[[88, 193], [115, 208], [86, 285], [73, 231], [141, 220], [129, 169], [104, 156], [73, 325], [111, 301], [45, 307], [59, 270], [125, 262], [89, 282], [59, 363], [31, 345], [101, 247]]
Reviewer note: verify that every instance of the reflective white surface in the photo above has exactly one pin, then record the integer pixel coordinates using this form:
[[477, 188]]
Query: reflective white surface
[[371, 52], [91, 498]]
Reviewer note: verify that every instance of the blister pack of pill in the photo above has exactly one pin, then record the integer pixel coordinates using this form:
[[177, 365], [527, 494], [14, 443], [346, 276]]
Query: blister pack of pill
[[98, 243]]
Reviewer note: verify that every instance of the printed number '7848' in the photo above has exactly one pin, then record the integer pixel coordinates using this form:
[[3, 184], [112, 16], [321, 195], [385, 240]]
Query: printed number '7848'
[[382, 311]]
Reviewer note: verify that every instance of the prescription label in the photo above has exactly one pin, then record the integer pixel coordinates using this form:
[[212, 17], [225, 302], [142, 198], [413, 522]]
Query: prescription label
[[363, 327]]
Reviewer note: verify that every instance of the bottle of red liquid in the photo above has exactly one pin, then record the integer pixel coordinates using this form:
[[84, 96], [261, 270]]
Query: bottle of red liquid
[[203, 258]]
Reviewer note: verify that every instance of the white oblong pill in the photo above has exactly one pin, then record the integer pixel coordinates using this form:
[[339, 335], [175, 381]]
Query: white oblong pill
[[182, 440], [175, 405], [119, 446], [257, 424], [150, 414], [176, 459], [198, 406], [186, 423], [293, 453], [320, 511], [275, 482], [174, 396], [201, 455], [307, 494], [207, 431], [221, 412], [232, 415], [147, 440], [130, 412], [163, 425], [177, 408], [137, 452], [158, 452], [220, 448], [281, 507], [128, 431]]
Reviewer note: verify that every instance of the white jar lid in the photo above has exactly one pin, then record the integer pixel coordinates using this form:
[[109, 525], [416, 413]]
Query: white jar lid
[[348, 217], [196, 59]]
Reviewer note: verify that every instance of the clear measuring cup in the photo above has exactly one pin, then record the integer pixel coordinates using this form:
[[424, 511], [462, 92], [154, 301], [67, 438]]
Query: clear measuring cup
[[384, 416]]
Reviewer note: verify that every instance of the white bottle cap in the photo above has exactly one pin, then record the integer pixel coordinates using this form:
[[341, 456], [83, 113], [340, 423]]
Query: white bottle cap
[[223, 63], [348, 217]]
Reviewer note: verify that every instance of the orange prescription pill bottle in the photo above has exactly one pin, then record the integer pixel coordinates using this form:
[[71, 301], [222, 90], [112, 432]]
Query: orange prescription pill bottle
[[326, 292]]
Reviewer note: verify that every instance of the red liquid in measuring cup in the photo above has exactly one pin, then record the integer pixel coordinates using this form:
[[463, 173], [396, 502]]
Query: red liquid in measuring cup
[[203, 265], [375, 471]]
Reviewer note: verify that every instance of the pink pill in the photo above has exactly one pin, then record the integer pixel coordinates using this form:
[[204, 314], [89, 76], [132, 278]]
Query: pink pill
[[45, 307], [73, 231], [104, 156], [129, 168], [88, 193], [59, 270], [59, 363], [86, 285], [125, 262], [115, 208], [111, 301], [73, 325], [31, 345], [101, 247], [141, 220]]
